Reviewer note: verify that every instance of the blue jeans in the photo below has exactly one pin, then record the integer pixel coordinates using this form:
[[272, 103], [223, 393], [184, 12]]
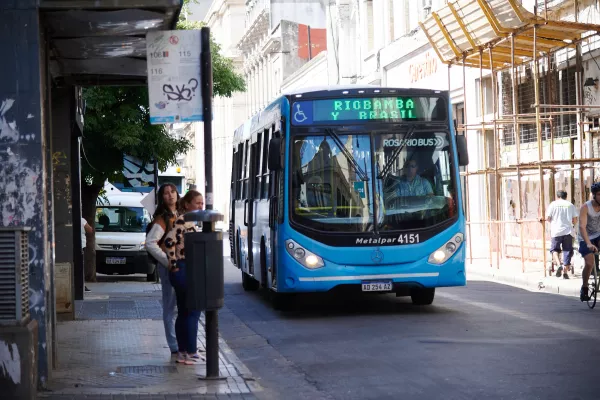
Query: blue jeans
[[168, 305], [186, 325]]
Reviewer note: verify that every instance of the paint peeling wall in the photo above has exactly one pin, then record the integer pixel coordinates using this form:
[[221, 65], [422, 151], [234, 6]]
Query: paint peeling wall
[[10, 362], [23, 173]]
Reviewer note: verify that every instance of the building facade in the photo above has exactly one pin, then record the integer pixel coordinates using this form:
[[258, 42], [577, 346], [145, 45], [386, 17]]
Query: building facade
[[382, 42], [280, 38]]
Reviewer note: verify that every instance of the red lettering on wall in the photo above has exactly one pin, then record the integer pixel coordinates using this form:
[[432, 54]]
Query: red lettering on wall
[[423, 69]]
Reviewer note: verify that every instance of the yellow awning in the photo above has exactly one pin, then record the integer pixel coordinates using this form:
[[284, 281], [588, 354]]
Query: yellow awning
[[459, 30]]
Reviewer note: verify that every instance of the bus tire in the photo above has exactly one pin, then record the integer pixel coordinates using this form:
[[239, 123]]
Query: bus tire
[[249, 283], [422, 296], [281, 301]]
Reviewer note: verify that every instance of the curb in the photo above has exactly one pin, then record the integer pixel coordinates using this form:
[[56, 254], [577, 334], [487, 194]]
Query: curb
[[540, 285], [243, 372]]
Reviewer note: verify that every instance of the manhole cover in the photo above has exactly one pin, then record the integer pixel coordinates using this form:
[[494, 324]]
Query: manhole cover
[[148, 369]]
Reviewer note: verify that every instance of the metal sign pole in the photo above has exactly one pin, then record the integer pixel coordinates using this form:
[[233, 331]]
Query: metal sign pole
[[206, 75]]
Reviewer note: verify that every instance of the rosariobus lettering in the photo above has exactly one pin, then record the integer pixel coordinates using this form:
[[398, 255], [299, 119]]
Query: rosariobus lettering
[[412, 142]]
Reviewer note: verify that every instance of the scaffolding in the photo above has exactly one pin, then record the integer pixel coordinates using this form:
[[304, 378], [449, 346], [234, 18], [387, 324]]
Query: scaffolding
[[533, 121]]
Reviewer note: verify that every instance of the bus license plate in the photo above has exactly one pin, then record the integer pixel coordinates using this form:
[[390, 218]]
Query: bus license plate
[[115, 260], [378, 286]]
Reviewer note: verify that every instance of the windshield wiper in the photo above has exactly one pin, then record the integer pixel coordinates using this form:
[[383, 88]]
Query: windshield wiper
[[361, 173], [383, 174]]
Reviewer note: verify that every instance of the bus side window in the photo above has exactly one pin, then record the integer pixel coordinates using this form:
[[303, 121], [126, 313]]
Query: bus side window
[[272, 174], [256, 167], [265, 171], [238, 174], [245, 170], [233, 182]]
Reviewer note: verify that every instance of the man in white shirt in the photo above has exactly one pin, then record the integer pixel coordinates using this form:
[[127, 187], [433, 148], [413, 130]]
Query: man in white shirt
[[562, 216], [85, 228]]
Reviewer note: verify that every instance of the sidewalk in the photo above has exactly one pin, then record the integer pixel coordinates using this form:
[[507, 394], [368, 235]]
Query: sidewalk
[[117, 349], [510, 273]]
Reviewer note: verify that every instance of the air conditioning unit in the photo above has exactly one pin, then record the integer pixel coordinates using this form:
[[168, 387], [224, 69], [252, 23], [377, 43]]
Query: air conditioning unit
[[14, 275]]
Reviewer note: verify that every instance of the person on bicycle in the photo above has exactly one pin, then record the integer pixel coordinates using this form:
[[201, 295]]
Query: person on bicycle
[[562, 216], [589, 236]]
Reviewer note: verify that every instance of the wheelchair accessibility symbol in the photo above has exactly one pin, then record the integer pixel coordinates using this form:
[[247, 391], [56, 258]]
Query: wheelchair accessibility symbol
[[299, 115]]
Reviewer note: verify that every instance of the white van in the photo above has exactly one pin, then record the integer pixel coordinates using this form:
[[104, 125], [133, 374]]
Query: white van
[[120, 226]]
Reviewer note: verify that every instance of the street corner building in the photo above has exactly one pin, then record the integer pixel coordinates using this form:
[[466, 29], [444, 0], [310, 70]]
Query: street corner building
[[52, 49]]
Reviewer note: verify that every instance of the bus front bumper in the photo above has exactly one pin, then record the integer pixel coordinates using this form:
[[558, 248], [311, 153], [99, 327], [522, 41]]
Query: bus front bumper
[[420, 273]]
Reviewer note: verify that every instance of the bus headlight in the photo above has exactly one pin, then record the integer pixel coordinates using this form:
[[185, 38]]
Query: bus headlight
[[303, 256], [442, 254]]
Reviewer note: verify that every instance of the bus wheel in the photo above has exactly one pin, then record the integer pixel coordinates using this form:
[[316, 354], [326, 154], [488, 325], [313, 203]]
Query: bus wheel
[[422, 297], [281, 301], [249, 283]]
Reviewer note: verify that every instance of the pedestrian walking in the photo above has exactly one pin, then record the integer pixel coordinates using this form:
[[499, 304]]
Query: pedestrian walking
[[162, 222], [562, 216], [186, 325]]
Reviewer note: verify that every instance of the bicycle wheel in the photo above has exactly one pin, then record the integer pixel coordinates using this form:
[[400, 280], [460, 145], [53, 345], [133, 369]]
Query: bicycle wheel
[[592, 291]]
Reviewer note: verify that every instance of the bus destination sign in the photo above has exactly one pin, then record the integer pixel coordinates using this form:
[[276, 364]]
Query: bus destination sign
[[381, 109]]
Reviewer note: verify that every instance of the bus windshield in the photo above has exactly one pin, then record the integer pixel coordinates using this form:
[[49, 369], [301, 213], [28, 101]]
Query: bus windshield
[[411, 180]]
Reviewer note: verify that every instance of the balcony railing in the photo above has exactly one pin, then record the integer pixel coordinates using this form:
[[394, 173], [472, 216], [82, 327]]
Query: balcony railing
[[254, 8]]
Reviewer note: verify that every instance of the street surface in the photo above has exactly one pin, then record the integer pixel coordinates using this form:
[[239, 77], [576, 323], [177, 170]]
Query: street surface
[[482, 341]]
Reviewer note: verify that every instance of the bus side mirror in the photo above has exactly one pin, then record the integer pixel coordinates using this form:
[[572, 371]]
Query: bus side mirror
[[463, 153], [275, 163]]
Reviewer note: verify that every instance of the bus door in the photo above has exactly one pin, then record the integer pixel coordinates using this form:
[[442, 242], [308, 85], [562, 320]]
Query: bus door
[[250, 204], [234, 196], [241, 229], [275, 188]]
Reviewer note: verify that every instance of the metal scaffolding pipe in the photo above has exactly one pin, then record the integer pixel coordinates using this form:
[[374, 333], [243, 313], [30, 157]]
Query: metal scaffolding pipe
[[544, 114], [482, 105], [517, 141], [540, 146], [496, 157], [466, 197]]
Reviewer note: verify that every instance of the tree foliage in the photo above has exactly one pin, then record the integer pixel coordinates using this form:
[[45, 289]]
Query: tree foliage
[[117, 123]]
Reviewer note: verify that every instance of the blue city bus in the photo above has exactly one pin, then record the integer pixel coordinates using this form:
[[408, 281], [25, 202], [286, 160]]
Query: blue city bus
[[351, 188]]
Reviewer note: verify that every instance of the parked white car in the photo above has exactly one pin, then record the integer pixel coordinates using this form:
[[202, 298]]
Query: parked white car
[[120, 226]]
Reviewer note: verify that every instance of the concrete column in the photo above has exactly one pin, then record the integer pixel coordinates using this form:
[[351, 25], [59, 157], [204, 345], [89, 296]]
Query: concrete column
[[256, 86], [24, 179], [253, 91], [261, 83], [270, 94], [247, 93], [387, 22], [379, 24], [343, 55], [65, 224]]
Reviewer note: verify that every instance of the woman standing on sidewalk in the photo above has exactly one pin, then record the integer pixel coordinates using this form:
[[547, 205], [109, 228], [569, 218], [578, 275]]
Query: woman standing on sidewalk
[[186, 325], [163, 221]]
